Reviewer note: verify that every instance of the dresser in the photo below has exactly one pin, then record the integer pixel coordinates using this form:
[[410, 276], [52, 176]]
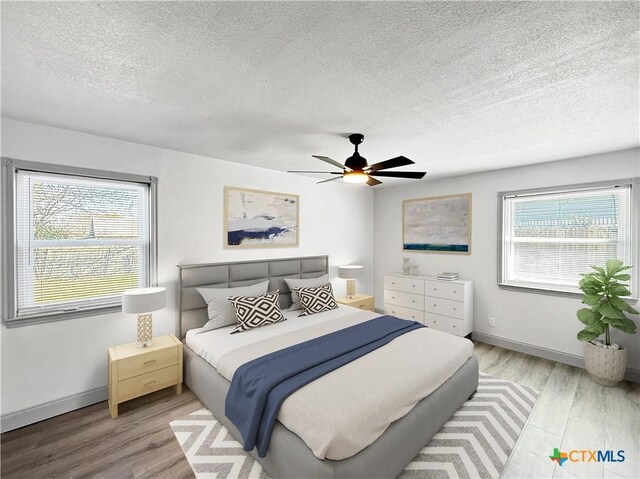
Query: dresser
[[443, 305], [134, 372]]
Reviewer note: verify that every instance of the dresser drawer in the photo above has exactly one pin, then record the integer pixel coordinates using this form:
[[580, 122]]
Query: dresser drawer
[[441, 289], [404, 313], [444, 323], [455, 309], [147, 362], [408, 284], [408, 300], [147, 383]]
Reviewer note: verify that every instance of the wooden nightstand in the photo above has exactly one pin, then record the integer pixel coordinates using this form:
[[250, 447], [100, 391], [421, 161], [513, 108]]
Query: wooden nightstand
[[134, 371], [361, 301]]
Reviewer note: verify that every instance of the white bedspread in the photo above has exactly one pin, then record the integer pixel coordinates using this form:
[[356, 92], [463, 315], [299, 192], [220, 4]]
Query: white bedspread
[[344, 411]]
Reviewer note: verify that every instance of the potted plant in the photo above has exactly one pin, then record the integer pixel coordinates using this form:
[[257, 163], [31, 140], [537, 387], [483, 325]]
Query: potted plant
[[603, 291]]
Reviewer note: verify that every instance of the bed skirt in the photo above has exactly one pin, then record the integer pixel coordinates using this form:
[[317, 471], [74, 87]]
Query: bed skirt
[[289, 456]]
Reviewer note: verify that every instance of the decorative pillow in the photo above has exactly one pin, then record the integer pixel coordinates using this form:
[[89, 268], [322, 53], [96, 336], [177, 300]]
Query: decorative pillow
[[218, 306], [254, 311], [303, 283], [316, 300]]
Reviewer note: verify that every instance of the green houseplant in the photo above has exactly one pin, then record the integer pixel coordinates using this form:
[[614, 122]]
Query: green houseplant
[[603, 291]]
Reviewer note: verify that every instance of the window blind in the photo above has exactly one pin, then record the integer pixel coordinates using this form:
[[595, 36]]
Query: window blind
[[80, 241], [549, 239]]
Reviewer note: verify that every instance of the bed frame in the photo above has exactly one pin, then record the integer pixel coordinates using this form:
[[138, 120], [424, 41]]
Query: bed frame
[[289, 456]]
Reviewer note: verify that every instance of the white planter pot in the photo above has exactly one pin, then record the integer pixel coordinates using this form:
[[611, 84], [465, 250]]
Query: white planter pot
[[606, 366]]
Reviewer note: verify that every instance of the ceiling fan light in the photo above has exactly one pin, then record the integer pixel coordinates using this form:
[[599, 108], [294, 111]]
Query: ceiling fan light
[[355, 177]]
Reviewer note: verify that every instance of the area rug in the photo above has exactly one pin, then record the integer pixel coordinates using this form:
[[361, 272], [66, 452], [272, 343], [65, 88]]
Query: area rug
[[474, 443]]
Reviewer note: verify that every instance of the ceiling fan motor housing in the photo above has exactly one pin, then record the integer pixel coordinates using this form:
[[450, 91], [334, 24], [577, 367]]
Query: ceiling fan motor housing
[[356, 162]]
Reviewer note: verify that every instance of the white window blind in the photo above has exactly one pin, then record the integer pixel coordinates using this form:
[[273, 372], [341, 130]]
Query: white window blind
[[549, 239], [80, 242]]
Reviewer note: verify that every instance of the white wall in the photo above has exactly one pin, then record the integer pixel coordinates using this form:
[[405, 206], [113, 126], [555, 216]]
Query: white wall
[[46, 362], [540, 320]]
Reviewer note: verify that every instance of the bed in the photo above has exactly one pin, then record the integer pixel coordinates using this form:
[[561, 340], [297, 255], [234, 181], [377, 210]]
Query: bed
[[292, 455]]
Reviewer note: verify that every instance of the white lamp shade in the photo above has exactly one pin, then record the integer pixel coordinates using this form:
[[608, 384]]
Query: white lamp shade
[[143, 300], [350, 271]]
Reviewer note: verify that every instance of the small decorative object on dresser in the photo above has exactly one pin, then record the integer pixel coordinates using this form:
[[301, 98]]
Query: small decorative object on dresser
[[406, 266], [134, 372], [142, 301], [443, 305], [350, 272], [360, 301], [415, 270]]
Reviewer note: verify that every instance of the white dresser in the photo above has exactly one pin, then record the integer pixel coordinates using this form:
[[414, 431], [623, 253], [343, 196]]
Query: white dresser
[[443, 305]]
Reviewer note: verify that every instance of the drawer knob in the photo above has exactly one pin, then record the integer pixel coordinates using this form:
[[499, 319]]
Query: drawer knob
[[393, 282], [150, 362], [434, 321], [454, 292], [454, 325], [413, 285], [150, 383], [435, 289], [435, 305], [454, 309], [413, 301]]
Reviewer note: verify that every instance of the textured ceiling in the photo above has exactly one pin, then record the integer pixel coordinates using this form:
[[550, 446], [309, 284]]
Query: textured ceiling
[[455, 86]]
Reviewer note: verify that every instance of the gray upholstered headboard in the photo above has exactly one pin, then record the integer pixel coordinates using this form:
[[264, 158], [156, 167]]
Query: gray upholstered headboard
[[192, 310]]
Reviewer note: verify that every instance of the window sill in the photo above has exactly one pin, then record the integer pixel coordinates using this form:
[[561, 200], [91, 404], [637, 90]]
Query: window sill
[[552, 292], [61, 316]]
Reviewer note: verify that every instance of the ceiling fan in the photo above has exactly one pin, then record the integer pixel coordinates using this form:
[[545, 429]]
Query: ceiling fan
[[357, 170]]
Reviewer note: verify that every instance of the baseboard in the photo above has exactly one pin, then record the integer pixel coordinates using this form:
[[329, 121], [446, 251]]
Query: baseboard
[[33, 414], [539, 351]]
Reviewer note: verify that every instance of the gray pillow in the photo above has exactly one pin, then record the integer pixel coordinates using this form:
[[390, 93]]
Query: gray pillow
[[220, 310], [303, 283]]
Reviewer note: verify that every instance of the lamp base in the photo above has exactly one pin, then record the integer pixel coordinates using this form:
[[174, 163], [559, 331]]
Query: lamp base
[[351, 288], [145, 335]]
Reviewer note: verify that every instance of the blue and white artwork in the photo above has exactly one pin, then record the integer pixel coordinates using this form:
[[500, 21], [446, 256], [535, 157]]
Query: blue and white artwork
[[440, 224], [256, 218]]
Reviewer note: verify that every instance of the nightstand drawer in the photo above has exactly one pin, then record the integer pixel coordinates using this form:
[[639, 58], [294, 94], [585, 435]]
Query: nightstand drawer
[[442, 289], [147, 383], [455, 309], [366, 303], [409, 285], [404, 313], [408, 300], [147, 362]]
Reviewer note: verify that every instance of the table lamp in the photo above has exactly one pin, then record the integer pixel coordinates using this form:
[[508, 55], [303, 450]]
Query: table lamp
[[350, 272], [142, 301]]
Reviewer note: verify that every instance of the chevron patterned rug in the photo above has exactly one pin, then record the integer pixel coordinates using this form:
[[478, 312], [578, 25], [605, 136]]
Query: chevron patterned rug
[[474, 443]]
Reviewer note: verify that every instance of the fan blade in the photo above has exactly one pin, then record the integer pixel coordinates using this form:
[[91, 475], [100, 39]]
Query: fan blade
[[392, 163], [330, 179], [414, 175], [322, 172], [326, 159], [373, 182]]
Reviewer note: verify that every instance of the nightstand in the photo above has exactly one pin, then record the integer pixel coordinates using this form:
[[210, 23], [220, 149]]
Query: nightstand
[[361, 301], [134, 372]]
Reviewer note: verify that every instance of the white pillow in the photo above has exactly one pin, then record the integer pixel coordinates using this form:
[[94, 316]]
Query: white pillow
[[303, 283], [220, 310]]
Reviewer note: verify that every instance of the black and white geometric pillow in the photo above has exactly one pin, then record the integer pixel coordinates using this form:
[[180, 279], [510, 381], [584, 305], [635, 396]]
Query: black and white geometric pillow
[[316, 300], [254, 311]]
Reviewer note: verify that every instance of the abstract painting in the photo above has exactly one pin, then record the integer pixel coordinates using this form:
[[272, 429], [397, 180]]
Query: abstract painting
[[440, 224], [255, 219]]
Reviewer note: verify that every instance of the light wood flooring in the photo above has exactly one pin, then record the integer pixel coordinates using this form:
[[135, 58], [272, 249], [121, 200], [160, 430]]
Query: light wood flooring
[[572, 412]]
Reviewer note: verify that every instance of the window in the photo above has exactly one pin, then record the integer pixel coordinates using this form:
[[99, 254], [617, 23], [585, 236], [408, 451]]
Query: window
[[551, 236], [80, 238]]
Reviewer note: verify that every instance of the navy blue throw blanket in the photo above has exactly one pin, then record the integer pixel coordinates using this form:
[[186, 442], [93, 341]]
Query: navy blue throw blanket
[[260, 386]]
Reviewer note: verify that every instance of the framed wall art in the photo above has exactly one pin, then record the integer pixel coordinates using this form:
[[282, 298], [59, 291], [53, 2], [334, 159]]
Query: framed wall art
[[439, 224], [259, 219]]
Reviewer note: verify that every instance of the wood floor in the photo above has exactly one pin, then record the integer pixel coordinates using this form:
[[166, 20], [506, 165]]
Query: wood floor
[[572, 412]]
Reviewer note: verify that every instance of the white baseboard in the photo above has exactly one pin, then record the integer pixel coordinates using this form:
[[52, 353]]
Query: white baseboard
[[33, 414], [551, 354]]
